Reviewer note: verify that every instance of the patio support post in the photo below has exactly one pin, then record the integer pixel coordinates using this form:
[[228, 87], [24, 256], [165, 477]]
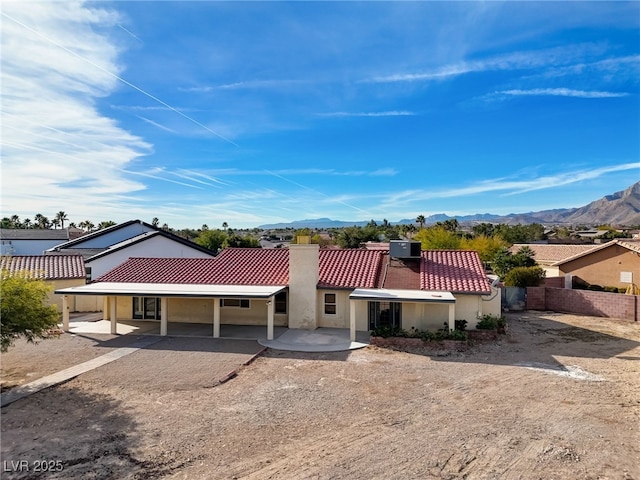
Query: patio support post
[[105, 307], [114, 316], [65, 313], [270, 313], [452, 316], [164, 315], [216, 318], [352, 320]]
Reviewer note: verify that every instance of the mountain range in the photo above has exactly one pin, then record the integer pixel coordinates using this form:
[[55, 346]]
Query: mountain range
[[620, 208]]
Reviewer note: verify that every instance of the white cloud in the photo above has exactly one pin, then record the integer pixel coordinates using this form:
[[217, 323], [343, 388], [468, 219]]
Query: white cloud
[[392, 113], [560, 92], [61, 151]]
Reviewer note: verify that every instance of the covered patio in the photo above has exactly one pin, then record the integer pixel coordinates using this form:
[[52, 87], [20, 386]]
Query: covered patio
[[110, 291], [400, 296]]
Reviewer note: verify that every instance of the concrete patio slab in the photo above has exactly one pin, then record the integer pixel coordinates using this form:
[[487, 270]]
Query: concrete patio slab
[[318, 340]]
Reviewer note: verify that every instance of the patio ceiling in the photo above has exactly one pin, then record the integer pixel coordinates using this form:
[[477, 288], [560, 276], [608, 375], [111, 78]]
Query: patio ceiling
[[173, 290]]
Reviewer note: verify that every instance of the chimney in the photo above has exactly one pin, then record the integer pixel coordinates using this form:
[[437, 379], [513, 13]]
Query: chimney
[[303, 282]]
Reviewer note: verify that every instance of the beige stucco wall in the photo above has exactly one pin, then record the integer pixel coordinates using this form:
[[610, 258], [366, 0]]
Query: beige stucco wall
[[200, 310], [341, 318], [303, 281], [603, 267], [77, 303]]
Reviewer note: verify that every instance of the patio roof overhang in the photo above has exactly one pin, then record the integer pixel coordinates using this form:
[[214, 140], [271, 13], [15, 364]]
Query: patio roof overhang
[[389, 295], [173, 290]]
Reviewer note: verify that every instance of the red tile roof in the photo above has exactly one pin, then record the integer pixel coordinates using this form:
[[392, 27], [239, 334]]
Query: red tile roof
[[456, 271], [349, 268], [46, 267], [234, 266]]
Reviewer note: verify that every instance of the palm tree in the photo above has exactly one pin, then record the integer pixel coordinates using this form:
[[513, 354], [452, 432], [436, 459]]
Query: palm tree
[[106, 224], [155, 221], [225, 225], [61, 217], [41, 220], [15, 221], [421, 220], [55, 222], [26, 223]]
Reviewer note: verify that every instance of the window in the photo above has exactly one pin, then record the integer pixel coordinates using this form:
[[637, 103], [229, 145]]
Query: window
[[87, 274], [281, 302], [330, 307], [146, 308], [235, 302]]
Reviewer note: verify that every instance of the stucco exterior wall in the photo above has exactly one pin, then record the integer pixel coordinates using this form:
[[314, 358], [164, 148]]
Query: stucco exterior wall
[[28, 247], [155, 247], [303, 281], [342, 317], [200, 310], [603, 267], [53, 299], [424, 316]]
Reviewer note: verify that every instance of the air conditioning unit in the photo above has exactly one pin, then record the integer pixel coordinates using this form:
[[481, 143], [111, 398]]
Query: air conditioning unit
[[404, 249]]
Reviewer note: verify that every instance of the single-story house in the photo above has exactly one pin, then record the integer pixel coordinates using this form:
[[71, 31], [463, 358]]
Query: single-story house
[[59, 272], [30, 241], [301, 287], [615, 263], [547, 256]]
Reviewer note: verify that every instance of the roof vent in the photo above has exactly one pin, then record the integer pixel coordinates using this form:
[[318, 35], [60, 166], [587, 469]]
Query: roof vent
[[404, 249]]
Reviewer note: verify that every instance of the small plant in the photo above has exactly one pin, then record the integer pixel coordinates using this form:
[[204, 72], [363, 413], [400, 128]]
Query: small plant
[[487, 322], [461, 325], [386, 331], [457, 335]]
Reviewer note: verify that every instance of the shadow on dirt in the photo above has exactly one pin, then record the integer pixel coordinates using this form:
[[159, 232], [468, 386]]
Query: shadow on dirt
[[537, 339], [65, 432]]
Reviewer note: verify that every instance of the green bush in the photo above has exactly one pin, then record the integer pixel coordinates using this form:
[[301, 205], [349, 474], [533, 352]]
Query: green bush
[[596, 288], [487, 322], [613, 290], [461, 325], [524, 277], [426, 335]]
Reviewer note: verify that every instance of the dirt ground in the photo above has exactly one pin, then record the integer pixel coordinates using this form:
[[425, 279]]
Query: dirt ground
[[557, 398]]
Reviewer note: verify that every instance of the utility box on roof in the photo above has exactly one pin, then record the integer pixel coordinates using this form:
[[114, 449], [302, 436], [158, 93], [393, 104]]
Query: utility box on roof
[[404, 249]]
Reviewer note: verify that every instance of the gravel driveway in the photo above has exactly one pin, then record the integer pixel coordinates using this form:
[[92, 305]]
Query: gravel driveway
[[558, 397]]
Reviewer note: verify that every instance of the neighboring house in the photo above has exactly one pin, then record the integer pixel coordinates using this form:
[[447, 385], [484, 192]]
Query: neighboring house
[[60, 271], [156, 244], [301, 287], [615, 263], [98, 241], [30, 241], [547, 256]]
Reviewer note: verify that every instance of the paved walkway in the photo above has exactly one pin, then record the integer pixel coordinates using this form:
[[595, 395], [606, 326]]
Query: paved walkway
[[72, 372]]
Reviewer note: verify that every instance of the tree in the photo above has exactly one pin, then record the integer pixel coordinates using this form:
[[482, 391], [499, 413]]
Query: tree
[[437, 238], [55, 222], [155, 221], [23, 311], [487, 247], [212, 239], [61, 217], [504, 261], [420, 220], [105, 224], [524, 277]]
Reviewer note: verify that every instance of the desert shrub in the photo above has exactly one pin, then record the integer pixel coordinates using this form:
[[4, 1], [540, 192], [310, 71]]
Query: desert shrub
[[461, 325], [524, 277], [487, 322], [386, 331], [612, 289]]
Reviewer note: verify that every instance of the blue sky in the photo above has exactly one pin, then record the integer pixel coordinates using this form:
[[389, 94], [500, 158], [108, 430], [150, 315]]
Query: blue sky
[[252, 113]]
